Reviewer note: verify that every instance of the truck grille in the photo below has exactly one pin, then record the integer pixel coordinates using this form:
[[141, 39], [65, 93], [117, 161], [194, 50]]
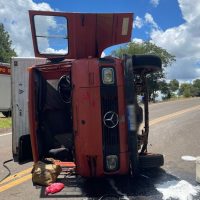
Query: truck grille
[[110, 136]]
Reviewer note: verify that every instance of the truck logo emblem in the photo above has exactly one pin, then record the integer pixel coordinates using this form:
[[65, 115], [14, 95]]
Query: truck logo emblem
[[111, 119]]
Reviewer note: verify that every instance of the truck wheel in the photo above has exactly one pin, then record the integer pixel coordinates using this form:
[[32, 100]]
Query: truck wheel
[[151, 161], [146, 64], [7, 113]]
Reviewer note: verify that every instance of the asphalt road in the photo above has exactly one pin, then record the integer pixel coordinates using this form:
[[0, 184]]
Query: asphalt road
[[174, 132]]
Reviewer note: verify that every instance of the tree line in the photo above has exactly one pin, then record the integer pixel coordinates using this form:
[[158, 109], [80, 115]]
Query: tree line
[[174, 88], [157, 81]]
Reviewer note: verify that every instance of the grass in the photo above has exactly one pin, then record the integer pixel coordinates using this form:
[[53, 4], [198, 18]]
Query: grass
[[5, 122]]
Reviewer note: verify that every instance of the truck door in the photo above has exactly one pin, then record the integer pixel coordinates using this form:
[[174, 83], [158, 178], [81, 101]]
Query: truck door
[[58, 35]]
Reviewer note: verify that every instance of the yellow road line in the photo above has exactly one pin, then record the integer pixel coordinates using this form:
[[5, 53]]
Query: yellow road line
[[15, 182], [175, 114], [22, 178], [17, 175]]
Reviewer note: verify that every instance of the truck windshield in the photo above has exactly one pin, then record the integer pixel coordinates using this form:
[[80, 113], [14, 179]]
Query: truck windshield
[[51, 34]]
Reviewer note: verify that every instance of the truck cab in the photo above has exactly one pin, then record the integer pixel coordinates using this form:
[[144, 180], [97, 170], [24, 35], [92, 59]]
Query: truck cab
[[83, 108]]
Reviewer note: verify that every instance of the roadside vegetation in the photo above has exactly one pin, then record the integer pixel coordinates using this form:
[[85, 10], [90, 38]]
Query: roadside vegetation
[[174, 89], [157, 83], [6, 51], [5, 122]]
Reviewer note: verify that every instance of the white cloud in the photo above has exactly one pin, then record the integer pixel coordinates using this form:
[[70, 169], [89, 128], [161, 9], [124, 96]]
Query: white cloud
[[182, 41], [155, 3], [149, 20], [54, 51], [190, 9], [14, 16], [137, 40], [182, 70], [138, 22]]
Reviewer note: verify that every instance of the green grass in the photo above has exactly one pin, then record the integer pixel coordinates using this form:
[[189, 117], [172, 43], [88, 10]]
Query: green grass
[[5, 122]]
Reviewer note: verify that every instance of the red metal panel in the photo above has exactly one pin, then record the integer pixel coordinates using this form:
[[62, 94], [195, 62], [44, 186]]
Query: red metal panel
[[80, 73], [87, 121], [32, 114], [112, 29], [87, 118]]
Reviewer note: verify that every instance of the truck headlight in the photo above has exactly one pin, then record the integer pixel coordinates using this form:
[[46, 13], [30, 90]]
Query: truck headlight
[[112, 162], [108, 75]]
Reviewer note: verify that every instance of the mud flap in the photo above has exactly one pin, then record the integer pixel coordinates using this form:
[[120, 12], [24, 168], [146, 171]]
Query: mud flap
[[25, 151]]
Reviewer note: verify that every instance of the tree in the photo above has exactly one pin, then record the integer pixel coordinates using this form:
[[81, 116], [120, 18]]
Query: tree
[[186, 89], [148, 48], [196, 87], [164, 88], [173, 85], [6, 51]]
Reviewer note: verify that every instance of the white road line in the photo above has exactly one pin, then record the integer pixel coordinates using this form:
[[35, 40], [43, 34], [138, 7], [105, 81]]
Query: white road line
[[5, 134]]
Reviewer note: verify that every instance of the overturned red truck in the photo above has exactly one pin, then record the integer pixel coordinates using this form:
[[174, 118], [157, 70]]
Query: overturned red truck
[[83, 108]]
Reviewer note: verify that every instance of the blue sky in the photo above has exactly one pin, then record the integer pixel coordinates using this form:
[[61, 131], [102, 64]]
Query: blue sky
[[171, 24], [167, 13]]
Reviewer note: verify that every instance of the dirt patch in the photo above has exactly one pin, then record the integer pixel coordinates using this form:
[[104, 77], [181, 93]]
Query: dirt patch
[[5, 130]]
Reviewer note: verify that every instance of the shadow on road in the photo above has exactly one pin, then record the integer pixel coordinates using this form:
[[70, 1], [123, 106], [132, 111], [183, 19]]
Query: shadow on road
[[141, 187]]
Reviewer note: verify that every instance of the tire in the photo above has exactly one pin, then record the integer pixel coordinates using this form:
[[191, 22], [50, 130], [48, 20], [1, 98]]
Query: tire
[[7, 113], [146, 64], [151, 161]]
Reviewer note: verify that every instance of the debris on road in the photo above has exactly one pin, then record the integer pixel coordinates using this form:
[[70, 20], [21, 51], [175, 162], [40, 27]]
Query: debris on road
[[188, 158], [54, 188], [181, 190], [45, 174]]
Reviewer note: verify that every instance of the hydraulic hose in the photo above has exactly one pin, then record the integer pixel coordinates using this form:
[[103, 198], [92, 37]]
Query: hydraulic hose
[[9, 172]]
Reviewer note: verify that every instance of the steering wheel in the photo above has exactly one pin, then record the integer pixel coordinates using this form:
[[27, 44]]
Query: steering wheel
[[64, 88]]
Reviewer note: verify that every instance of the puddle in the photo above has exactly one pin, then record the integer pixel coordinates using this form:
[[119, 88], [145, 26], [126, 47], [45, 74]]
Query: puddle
[[188, 158], [180, 190]]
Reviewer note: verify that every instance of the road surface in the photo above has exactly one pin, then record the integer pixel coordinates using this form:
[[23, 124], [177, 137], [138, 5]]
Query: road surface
[[174, 132]]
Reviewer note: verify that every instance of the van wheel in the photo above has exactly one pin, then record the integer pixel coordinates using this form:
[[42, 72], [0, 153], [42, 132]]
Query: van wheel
[[146, 64], [7, 114], [151, 161]]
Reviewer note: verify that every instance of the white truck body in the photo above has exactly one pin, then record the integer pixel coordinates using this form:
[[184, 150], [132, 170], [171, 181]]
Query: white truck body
[[20, 81], [5, 88]]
